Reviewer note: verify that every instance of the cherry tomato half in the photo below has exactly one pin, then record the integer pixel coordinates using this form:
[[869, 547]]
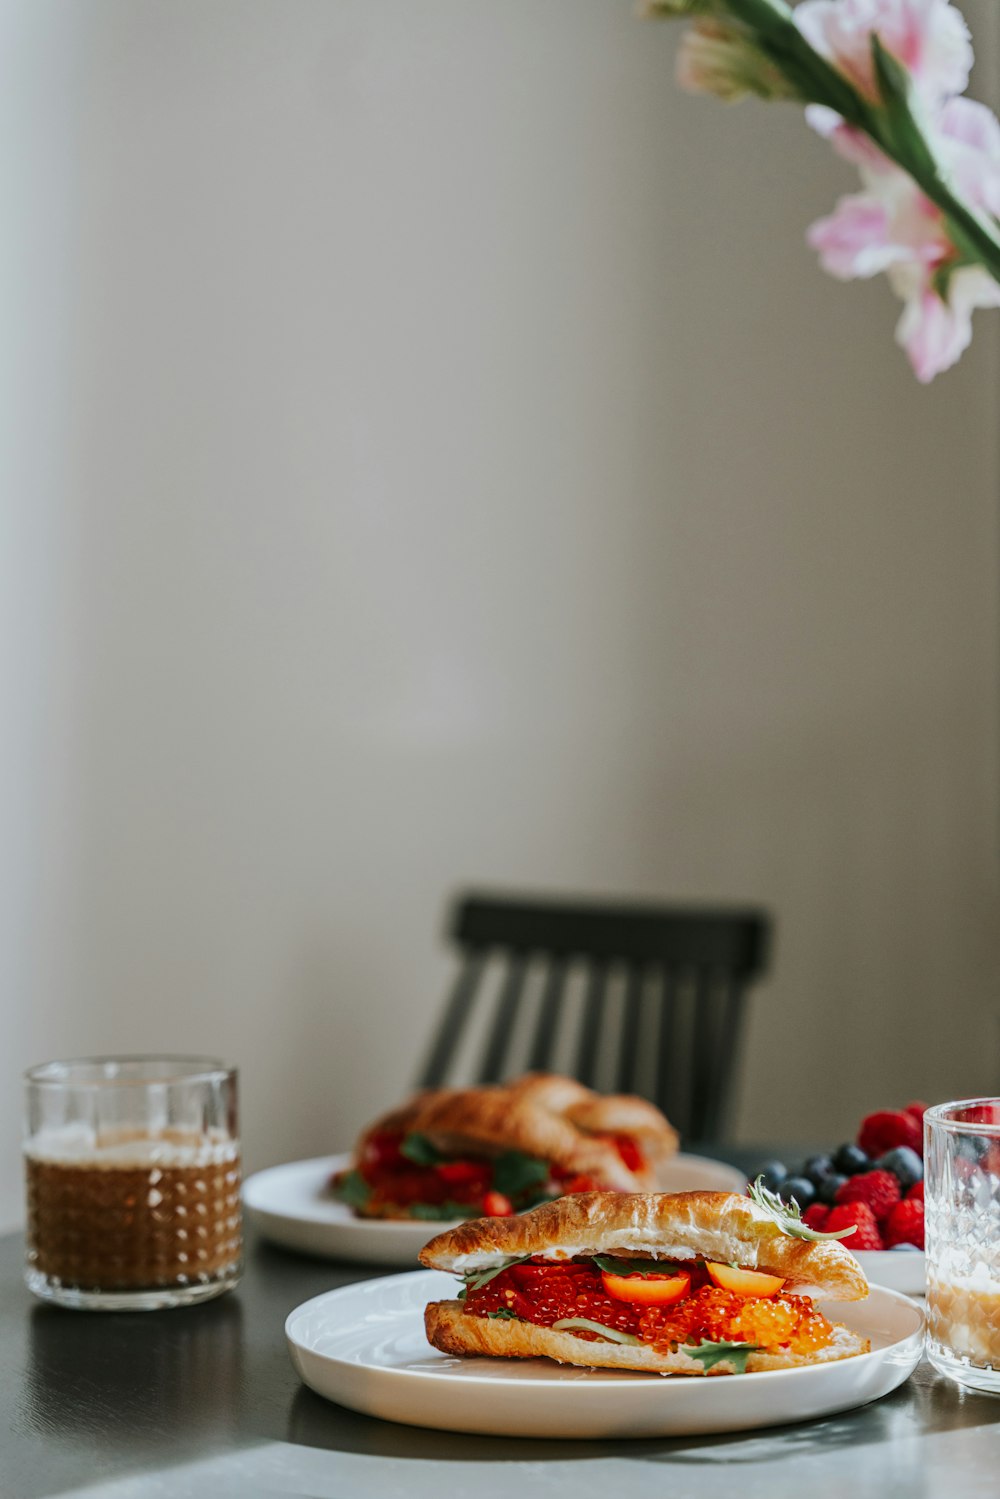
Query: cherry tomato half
[[744, 1282], [647, 1290]]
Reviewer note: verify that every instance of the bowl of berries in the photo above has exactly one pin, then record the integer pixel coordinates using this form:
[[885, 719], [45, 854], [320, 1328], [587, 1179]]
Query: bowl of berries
[[873, 1184]]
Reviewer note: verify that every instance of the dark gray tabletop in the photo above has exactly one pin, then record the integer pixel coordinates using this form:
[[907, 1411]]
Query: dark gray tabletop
[[203, 1402]]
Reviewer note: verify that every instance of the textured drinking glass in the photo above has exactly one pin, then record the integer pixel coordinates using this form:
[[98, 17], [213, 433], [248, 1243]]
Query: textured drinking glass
[[132, 1167], [962, 1211]]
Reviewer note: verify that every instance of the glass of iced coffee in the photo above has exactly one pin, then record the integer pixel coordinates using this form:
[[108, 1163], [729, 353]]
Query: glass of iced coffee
[[962, 1210], [132, 1167]]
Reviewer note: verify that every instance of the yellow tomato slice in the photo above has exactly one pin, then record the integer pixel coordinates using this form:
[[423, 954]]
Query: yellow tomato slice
[[647, 1290], [744, 1282]]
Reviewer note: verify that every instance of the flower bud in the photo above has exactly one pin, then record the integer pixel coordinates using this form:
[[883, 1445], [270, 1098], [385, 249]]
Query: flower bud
[[718, 58]]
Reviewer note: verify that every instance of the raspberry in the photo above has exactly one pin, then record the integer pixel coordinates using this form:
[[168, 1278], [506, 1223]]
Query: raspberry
[[816, 1216], [918, 1110], [982, 1113], [879, 1189], [884, 1131], [905, 1224], [916, 1194], [861, 1215]]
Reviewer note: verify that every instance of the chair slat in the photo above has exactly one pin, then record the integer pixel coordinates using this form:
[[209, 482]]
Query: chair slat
[[495, 1055], [543, 1046], [704, 1056], [590, 1025], [729, 1012], [665, 1088], [628, 1051], [453, 1023]]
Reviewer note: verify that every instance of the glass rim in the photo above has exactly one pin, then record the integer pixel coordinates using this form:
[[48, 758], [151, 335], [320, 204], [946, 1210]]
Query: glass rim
[[938, 1115], [176, 1069]]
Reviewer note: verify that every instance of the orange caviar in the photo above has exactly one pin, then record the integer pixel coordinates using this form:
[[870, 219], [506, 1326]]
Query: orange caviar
[[772, 1322]]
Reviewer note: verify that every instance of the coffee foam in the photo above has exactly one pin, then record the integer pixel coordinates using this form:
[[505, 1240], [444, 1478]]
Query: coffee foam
[[81, 1145]]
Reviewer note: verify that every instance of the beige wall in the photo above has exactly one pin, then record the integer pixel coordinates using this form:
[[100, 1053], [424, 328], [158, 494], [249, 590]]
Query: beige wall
[[435, 457]]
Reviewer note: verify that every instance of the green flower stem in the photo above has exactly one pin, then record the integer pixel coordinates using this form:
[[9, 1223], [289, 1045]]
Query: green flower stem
[[892, 125]]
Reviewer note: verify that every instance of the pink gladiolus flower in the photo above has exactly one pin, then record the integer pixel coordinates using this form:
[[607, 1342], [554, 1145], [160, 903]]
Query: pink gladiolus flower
[[893, 227], [935, 331], [929, 37]]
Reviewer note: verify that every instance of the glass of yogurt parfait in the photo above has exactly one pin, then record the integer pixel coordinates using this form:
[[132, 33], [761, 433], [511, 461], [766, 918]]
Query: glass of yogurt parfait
[[962, 1208], [132, 1170]]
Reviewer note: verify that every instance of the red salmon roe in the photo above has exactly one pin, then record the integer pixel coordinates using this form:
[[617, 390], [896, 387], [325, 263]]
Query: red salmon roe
[[544, 1293]]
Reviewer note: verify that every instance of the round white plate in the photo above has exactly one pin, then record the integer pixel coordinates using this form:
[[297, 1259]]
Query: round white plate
[[364, 1347], [292, 1206], [899, 1270]]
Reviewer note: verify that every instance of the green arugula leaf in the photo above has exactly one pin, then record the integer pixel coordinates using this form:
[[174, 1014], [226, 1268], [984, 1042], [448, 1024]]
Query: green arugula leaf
[[611, 1333], [788, 1215], [514, 1173], [420, 1150], [709, 1354], [503, 1315], [352, 1189], [612, 1266], [475, 1279], [438, 1212]]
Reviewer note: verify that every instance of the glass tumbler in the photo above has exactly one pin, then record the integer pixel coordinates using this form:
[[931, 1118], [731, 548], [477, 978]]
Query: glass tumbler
[[962, 1211], [132, 1167]]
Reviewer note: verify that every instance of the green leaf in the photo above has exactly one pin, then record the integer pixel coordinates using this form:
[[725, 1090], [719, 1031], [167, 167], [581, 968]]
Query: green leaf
[[613, 1266], [503, 1315], [352, 1189], [672, 10], [611, 1333], [475, 1279], [418, 1148], [788, 1216], [438, 1212], [895, 88], [515, 1173], [709, 1354]]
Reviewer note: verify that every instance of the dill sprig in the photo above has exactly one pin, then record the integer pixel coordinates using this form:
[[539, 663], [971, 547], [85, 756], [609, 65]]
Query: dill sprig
[[788, 1215]]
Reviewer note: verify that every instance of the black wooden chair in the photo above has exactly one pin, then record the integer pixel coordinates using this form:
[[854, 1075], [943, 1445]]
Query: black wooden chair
[[638, 998]]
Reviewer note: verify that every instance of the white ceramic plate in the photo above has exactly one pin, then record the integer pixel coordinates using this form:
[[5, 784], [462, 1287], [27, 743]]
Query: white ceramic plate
[[899, 1270], [364, 1347], [292, 1206]]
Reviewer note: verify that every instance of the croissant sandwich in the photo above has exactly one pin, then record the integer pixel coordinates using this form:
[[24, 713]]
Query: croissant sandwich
[[461, 1153], [690, 1283]]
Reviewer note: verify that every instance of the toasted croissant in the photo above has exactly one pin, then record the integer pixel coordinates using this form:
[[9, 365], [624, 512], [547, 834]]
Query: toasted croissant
[[543, 1115], [717, 1226]]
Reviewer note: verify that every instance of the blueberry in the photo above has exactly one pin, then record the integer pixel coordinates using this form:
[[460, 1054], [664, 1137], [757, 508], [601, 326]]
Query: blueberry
[[799, 1187], [909, 1248], [849, 1160], [772, 1174], [972, 1146], [817, 1169], [829, 1187], [905, 1165]]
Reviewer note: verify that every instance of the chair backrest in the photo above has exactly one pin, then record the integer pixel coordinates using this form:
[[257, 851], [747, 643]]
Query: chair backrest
[[649, 998]]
